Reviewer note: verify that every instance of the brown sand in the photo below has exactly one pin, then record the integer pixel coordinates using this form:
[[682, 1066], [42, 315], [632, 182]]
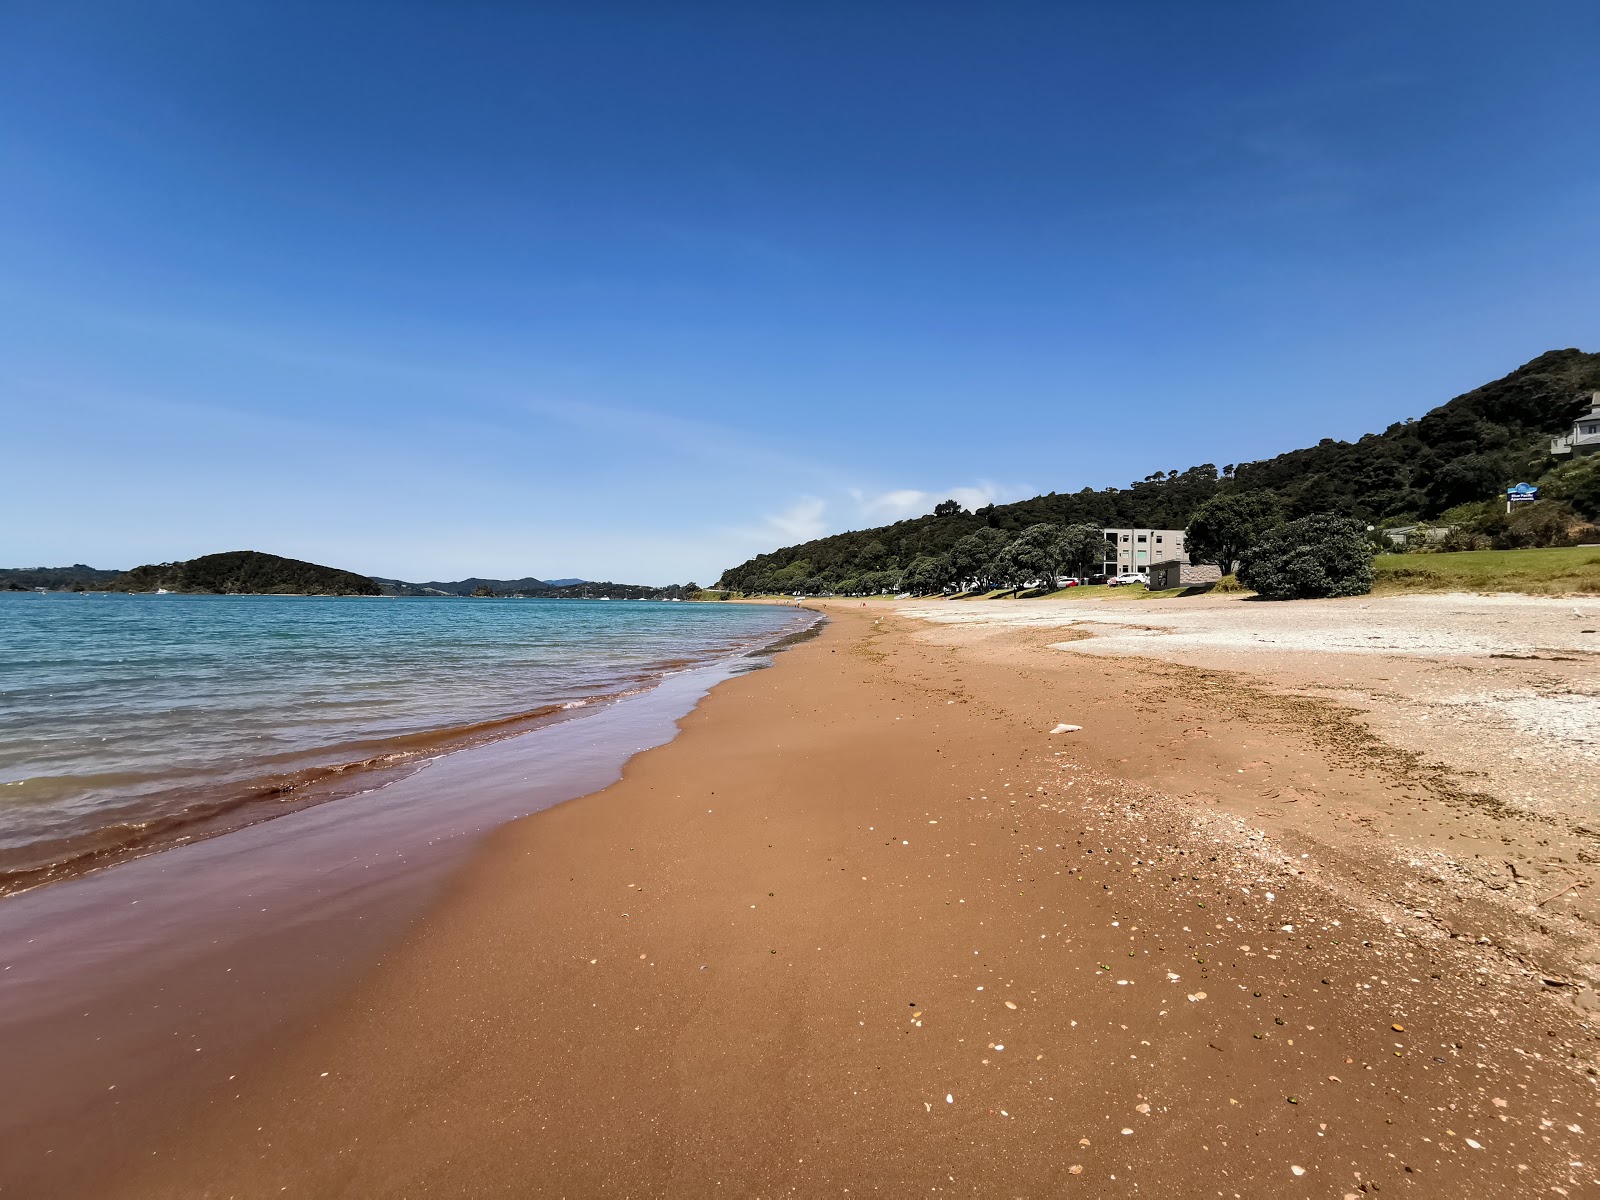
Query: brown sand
[[867, 927]]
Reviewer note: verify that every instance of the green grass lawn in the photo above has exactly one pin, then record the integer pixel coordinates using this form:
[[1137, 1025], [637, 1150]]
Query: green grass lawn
[[1547, 572]]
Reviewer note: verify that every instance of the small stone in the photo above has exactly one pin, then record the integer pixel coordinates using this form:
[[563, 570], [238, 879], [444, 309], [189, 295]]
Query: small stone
[[1398, 1028], [1066, 729], [1010, 1004], [1298, 1170]]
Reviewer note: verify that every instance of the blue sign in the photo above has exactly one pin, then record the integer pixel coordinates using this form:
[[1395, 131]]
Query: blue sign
[[1523, 491]]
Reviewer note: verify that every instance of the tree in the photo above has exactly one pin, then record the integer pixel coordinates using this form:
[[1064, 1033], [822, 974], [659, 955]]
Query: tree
[[927, 573], [1039, 552], [972, 558], [875, 582], [1083, 548], [947, 508], [1012, 567], [1470, 477], [1312, 557], [1586, 495], [790, 578], [1224, 528]]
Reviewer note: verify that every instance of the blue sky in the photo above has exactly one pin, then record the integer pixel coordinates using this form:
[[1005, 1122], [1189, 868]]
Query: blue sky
[[633, 291]]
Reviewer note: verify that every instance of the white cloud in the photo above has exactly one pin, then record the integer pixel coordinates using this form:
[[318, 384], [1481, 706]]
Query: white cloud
[[800, 522], [901, 503]]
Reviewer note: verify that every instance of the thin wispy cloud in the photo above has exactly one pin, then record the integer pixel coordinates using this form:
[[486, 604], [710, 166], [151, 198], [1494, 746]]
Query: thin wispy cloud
[[901, 503], [800, 522]]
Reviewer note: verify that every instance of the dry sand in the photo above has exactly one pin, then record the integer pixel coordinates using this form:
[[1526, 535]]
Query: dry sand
[[1483, 712], [867, 927]]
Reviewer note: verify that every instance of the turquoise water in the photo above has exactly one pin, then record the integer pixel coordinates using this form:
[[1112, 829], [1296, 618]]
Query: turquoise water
[[126, 718]]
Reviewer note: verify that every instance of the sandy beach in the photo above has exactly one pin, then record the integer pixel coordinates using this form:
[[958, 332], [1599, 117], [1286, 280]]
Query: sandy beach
[[868, 926]]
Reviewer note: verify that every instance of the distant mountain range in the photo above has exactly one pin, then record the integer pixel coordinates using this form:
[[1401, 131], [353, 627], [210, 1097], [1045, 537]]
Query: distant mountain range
[[250, 572], [467, 587]]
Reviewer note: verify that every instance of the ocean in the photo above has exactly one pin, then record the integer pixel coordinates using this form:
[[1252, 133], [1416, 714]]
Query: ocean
[[130, 722]]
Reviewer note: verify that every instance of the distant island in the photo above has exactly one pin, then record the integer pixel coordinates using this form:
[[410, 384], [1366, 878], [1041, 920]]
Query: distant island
[[251, 572], [473, 586]]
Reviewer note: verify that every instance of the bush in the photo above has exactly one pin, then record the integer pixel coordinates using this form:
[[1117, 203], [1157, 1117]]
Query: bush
[[1228, 583], [1541, 523], [1312, 557]]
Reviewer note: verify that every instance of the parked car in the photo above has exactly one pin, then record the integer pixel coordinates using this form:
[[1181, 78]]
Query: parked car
[[1070, 583], [1126, 578]]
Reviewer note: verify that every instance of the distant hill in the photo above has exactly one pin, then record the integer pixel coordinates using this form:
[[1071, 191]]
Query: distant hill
[[552, 589], [466, 587], [251, 572], [1464, 450], [76, 578]]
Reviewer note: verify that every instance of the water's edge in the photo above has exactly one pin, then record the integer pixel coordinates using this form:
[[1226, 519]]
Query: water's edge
[[129, 993]]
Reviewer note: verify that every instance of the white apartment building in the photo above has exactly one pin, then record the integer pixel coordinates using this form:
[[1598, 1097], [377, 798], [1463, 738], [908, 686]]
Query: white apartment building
[[1134, 550], [1585, 436]]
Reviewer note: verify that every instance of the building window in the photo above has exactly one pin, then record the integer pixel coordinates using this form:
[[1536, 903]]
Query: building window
[[1124, 537], [1158, 539], [1142, 539]]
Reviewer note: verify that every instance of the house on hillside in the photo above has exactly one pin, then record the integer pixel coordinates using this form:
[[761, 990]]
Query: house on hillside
[[1585, 436]]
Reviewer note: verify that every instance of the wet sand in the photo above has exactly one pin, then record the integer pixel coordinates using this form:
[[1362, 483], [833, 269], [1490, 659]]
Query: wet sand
[[129, 995], [866, 926]]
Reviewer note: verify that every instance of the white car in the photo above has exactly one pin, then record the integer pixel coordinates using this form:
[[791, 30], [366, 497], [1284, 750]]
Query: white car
[[1125, 579]]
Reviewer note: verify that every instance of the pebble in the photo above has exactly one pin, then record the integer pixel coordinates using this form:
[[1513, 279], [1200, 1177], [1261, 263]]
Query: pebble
[[1066, 729]]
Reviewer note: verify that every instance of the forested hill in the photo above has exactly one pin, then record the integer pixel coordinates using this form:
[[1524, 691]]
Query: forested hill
[[76, 578], [245, 572], [467, 587], [1464, 450]]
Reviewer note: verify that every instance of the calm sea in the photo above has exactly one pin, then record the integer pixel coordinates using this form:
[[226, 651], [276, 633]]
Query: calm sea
[[133, 721]]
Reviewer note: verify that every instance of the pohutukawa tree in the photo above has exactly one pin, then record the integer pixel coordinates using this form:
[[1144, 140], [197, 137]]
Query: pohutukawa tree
[[1224, 528]]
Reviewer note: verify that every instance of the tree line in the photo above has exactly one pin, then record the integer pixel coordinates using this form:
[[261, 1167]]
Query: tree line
[[1462, 453]]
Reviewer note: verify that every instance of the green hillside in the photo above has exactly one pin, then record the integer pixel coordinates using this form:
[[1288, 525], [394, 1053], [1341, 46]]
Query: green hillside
[[237, 572], [1464, 450], [76, 578]]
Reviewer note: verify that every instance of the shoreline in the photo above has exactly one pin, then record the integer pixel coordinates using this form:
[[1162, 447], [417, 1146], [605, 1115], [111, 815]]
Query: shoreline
[[857, 928], [128, 992], [213, 802]]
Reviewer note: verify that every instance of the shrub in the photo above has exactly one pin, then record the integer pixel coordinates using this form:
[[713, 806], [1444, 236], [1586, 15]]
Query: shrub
[[1228, 583], [1541, 523], [1315, 556]]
